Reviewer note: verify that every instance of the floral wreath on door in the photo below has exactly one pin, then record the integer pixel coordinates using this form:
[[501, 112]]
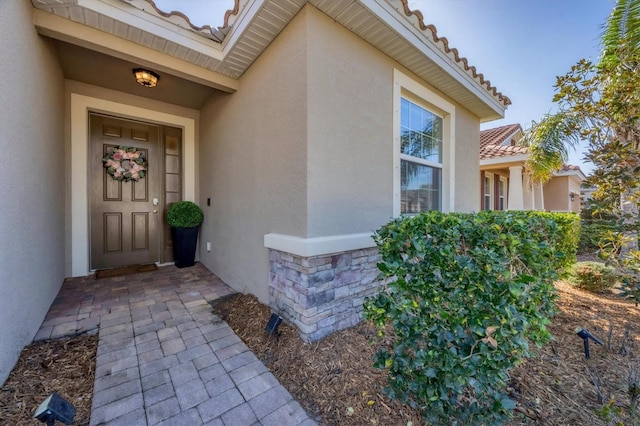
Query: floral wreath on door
[[125, 163]]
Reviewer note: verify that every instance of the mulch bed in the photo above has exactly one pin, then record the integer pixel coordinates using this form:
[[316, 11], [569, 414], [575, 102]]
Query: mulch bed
[[335, 382], [65, 366]]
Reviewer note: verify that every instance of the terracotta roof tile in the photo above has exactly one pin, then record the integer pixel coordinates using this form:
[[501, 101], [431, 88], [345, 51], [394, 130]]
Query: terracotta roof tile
[[569, 167], [206, 30], [219, 34], [497, 142], [460, 60]]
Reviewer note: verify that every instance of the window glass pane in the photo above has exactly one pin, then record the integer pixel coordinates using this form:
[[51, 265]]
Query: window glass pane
[[404, 113], [487, 193], [421, 187], [420, 132]]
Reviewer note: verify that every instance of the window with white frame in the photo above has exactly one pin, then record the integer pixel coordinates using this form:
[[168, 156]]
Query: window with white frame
[[502, 194], [423, 148], [421, 158], [487, 192]]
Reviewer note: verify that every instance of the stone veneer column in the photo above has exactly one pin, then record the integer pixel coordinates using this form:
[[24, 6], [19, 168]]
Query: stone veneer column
[[322, 294]]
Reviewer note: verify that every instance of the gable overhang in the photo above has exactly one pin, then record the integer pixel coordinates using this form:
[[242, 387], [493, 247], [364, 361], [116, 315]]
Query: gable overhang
[[129, 48], [403, 38], [575, 173], [135, 31], [505, 161]]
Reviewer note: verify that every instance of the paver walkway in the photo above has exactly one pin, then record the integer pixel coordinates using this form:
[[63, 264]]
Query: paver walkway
[[163, 357]]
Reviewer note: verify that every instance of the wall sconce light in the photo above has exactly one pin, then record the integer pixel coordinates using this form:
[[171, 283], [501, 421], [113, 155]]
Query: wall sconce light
[[272, 325], [55, 408], [572, 196], [146, 78]]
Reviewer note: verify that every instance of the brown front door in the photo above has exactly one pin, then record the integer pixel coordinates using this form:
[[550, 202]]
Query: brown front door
[[126, 217]]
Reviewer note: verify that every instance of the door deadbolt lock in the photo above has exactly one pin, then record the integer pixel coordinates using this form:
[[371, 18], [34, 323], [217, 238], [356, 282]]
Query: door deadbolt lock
[[155, 201]]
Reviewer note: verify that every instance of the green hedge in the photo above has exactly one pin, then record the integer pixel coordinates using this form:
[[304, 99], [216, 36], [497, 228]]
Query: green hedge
[[566, 243], [466, 293]]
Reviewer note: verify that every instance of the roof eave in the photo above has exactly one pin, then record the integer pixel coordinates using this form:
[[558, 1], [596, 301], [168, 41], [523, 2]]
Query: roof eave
[[409, 28], [577, 173], [428, 56], [504, 160], [66, 30]]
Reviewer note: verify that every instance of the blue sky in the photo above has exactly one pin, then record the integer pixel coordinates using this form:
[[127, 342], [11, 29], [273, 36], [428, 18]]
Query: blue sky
[[519, 45]]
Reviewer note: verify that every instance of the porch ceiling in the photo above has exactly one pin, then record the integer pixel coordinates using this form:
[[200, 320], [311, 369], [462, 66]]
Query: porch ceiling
[[95, 68], [388, 25]]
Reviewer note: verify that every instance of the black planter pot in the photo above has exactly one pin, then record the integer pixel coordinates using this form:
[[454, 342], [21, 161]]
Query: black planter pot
[[185, 242]]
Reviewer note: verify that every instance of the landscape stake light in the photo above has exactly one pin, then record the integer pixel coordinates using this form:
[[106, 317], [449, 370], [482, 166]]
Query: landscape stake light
[[272, 325], [55, 408], [585, 335]]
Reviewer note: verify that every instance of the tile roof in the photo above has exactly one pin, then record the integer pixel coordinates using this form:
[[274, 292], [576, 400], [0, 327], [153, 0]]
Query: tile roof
[[456, 56], [569, 167], [182, 20], [571, 170], [497, 142], [219, 34]]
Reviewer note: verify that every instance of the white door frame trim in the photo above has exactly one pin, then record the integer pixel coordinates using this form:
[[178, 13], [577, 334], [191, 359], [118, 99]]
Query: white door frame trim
[[80, 107]]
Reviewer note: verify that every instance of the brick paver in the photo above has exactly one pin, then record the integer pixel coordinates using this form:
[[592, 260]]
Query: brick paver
[[163, 357]]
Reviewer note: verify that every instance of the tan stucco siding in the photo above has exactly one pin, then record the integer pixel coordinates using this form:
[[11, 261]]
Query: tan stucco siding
[[305, 148], [350, 131], [32, 208], [556, 194], [574, 186], [350, 155], [253, 163], [467, 166]]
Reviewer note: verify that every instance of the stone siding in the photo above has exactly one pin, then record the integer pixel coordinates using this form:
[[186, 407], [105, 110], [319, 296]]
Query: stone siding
[[322, 294]]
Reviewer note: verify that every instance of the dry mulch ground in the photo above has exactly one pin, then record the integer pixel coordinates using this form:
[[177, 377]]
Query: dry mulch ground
[[335, 381], [334, 378], [65, 366]]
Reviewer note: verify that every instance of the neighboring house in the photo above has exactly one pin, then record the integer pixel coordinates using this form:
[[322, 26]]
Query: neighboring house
[[299, 127], [586, 194], [562, 192], [504, 185]]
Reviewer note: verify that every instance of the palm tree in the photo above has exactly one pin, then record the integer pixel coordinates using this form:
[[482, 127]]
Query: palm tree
[[594, 100]]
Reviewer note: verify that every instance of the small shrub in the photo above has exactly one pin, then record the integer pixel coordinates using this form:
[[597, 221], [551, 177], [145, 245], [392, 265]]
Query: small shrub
[[184, 214], [466, 293], [592, 276]]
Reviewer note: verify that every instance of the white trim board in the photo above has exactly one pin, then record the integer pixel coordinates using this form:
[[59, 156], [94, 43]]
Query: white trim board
[[318, 246], [404, 85], [80, 107]]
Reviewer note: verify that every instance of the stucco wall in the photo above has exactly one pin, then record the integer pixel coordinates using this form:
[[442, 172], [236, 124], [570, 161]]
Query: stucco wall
[[556, 194], [253, 163], [32, 176], [305, 148], [351, 134], [350, 131], [467, 166]]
